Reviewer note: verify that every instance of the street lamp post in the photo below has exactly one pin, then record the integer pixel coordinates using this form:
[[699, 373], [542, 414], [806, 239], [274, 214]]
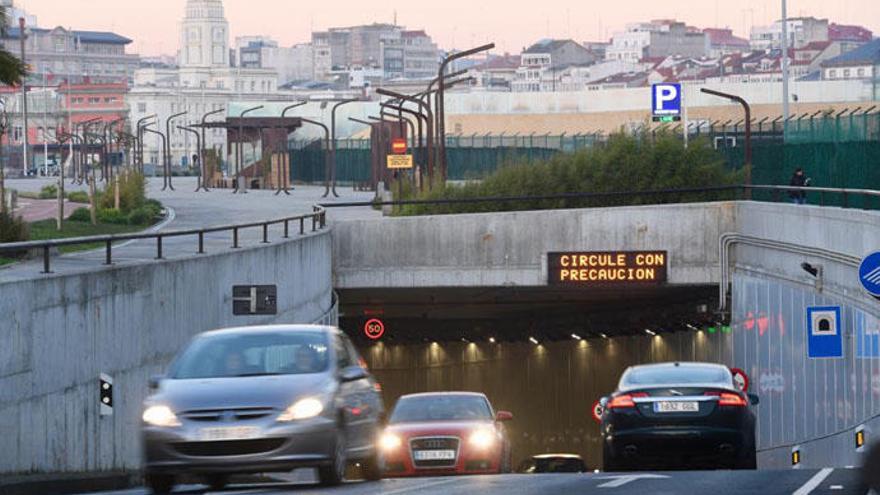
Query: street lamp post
[[24, 149], [326, 154], [139, 133], [430, 130], [198, 147], [748, 131], [146, 128], [239, 155], [167, 182], [785, 89], [204, 167], [441, 109], [333, 140], [285, 155]]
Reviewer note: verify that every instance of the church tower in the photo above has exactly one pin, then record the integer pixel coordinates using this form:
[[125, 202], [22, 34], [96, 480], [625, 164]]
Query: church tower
[[204, 35]]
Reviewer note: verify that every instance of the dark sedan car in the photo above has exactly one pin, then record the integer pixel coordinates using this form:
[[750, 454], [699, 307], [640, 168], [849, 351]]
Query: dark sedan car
[[262, 399], [678, 415], [553, 463]]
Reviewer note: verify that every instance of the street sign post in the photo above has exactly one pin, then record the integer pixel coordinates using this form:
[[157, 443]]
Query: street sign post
[[666, 102], [396, 162], [869, 274], [374, 329], [824, 337], [398, 146], [597, 411], [740, 379]]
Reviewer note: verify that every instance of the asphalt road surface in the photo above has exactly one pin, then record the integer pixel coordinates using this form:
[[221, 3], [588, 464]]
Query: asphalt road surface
[[797, 482]]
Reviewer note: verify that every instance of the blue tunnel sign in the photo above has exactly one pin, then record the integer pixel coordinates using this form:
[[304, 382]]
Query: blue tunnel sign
[[824, 337], [869, 273]]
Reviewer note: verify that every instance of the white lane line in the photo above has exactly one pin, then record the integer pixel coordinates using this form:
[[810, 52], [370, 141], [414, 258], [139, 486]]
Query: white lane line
[[407, 489], [835, 487], [814, 482]]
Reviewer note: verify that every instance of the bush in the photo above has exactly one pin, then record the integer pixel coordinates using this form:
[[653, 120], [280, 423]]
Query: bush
[[141, 216], [48, 192], [80, 215], [12, 229], [624, 163], [112, 215], [78, 197], [132, 187]]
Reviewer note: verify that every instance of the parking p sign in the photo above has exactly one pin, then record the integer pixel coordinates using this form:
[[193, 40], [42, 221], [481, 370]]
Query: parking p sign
[[666, 100]]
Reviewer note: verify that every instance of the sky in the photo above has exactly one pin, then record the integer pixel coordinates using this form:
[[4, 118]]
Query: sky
[[511, 24]]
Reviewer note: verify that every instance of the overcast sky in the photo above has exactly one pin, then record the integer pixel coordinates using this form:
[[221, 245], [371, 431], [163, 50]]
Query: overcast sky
[[511, 24]]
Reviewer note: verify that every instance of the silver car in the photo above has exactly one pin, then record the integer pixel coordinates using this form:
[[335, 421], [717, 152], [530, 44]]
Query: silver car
[[262, 399]]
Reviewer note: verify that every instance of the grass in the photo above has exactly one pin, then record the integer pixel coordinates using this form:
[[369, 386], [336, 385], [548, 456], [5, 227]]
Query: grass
[[5, 261], [46, 229]]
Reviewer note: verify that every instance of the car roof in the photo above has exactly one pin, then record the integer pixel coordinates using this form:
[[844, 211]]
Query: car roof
[[294, 328], [444, 394], [557, 456], [676, 364]]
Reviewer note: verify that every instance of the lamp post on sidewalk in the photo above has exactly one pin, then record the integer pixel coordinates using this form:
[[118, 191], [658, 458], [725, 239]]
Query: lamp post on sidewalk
[[333, 140], [168, 149], [204, 168], [285, 155], [748, 133], [239, 155]]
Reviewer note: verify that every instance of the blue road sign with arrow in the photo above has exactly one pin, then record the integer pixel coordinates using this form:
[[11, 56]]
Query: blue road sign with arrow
[[869, 273]]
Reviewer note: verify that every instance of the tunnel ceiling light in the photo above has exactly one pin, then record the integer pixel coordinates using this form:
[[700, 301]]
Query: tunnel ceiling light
[[465, 340], [491, 340], [692, 327], [576, 336], [534, 340], [603, 335], [650, 332]]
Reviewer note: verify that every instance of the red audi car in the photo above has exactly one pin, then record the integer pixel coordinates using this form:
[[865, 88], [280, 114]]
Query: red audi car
[[444, 433]]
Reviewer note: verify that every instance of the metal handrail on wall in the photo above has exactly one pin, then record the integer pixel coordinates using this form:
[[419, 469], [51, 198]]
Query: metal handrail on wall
[[318, 218]]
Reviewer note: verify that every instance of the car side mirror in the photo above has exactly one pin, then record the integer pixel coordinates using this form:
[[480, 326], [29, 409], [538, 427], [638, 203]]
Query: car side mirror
[[154, 382], [353, 374], [754, 399], [503, 416]]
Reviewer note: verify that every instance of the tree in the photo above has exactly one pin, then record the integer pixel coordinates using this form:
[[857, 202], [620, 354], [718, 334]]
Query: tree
[[12, 69]]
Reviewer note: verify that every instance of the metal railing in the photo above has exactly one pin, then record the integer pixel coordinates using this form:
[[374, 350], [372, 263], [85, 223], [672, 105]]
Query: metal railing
[[739, 190], [318, 219]]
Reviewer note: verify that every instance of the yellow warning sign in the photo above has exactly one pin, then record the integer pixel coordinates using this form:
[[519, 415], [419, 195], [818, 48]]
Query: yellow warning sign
[[400, 161]]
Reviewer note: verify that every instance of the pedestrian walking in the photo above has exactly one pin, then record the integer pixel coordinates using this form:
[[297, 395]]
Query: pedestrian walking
[[798, 179]]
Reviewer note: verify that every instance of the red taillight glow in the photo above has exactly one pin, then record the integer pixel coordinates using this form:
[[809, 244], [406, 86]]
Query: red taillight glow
[[728, 399], [625, 401]]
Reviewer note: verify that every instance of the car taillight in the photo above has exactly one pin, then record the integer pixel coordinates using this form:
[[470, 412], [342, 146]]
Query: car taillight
[[728, 399], [625, 401]]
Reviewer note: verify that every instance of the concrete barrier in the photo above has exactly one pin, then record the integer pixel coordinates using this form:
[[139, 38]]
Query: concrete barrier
[[60, 332]]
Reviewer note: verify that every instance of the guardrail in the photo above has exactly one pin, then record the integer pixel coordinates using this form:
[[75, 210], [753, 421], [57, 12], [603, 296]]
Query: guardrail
[[741, 190], [318, 218]]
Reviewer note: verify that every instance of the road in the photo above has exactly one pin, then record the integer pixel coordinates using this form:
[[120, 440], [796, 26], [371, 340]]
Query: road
[[797, 482], [189, 210]]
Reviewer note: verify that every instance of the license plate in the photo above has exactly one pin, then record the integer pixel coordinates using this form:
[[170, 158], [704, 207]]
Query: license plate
[[676, 407], [434, 455], [229, 433]]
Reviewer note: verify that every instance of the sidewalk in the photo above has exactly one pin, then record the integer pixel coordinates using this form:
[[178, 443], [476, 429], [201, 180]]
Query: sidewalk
[[68, 483]]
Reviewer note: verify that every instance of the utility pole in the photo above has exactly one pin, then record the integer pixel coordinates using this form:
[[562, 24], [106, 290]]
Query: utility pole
[[24, 102], [785, 110]]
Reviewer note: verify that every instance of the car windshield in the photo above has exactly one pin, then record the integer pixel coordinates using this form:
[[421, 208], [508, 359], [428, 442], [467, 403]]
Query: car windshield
[[674, 375], [253, 354], [441, 408]]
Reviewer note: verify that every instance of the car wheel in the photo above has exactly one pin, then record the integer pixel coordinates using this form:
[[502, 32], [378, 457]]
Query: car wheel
[[506, 465], [217, 481], [372, 468], [749, 460], [334, 473], [160, 484], [609, 462]]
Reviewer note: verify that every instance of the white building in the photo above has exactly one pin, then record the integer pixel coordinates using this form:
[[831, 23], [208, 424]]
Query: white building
[[801, 31], [204, 82]]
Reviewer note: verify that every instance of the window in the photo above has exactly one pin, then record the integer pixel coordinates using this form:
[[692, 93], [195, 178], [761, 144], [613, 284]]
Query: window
[[94, 99], [832, 74], [142, 108], [343, 360], [846, 73], [861, 72], [110, 99]]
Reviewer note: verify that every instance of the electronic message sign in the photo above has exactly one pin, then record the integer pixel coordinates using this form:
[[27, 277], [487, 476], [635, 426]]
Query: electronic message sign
[[584, 269]]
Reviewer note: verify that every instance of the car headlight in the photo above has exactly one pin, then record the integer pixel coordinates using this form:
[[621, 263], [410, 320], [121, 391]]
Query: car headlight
[[160, 416], [302, 409], [482, 439], [389, 442]]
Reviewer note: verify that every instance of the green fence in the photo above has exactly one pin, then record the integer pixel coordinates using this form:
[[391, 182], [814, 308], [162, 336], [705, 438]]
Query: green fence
[[837, 151]]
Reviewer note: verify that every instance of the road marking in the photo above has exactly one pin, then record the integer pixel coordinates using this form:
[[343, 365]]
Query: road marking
[[814, 482], [836, 487], [406, 489], [623, 479]]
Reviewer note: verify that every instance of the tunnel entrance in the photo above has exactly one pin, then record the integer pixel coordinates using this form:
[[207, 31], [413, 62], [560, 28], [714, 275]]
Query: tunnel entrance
[[547, 354]]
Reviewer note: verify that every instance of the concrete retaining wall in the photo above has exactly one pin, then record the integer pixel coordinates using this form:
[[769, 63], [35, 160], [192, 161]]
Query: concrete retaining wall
[[59, 332]]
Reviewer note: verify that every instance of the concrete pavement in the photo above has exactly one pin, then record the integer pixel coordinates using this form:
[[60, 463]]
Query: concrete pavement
[[190, 210], [788, 482]]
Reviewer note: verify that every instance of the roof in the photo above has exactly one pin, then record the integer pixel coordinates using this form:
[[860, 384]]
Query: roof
[[547, 45], [105, 37], [815, 45], [267, 328], [867, 54], [442, 394], [844, 32], [557, 456], [414, 34], [503, 62]]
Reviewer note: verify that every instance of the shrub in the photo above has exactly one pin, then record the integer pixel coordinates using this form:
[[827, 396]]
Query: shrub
[[112, 215], [141, 216], [12, 229], [80, 215], [49, 192], [78, 197], [132, 187]]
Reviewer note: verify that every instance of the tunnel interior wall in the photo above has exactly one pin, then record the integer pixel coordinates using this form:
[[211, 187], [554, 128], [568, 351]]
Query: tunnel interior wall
[[550, 388], [60, 332]]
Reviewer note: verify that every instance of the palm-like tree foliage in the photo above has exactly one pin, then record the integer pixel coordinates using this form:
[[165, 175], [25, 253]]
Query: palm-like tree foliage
[[12, 69]]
